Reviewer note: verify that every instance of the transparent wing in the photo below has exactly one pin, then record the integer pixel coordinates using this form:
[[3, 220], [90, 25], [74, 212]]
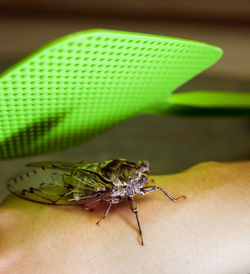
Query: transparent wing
[[95, 167], [55, 185]]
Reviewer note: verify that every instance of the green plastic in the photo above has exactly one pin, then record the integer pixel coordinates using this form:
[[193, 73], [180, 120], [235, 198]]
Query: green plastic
[[209, 103], [84, 83], [208, 99]]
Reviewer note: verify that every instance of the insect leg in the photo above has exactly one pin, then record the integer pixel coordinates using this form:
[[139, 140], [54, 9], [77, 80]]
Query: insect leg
[[148, 189], [106, 213], [134, 209]]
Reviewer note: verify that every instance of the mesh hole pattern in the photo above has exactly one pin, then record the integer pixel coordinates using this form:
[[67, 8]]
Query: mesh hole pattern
[[84, 83]]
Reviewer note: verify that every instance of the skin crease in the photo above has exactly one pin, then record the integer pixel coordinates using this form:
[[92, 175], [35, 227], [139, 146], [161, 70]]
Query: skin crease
[[209, 232]]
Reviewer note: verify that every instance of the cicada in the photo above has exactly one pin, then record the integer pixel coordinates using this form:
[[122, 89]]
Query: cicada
[[81, 183]]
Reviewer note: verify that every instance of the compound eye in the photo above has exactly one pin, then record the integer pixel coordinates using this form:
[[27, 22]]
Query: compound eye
[[143, 179], [145, 166]]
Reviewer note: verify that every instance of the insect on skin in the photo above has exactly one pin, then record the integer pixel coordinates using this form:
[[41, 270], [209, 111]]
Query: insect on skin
[[82, 183]]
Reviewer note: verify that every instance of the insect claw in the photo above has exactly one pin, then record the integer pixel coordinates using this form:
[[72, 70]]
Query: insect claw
[[98, 222], [105, 214]]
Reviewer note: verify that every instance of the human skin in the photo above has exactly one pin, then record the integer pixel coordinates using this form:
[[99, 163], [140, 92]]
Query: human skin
[[209, 232]]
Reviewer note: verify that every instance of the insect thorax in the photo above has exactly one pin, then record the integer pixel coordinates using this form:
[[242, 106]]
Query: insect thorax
[[127, 177]]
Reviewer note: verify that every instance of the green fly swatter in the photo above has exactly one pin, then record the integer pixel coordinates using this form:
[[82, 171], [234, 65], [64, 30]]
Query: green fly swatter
[[80, 85]]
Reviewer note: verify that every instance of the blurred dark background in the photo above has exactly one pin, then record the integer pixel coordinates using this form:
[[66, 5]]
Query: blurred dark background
[[171, 144]]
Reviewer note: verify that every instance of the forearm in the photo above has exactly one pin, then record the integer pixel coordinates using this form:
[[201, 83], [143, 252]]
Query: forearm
[[206, 233]]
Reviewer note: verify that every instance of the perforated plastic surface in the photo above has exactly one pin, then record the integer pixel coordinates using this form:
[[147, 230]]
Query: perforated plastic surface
[[84, 83]]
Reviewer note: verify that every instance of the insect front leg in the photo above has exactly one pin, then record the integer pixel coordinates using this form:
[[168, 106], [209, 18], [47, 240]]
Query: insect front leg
[[106, 213], [134, 209], [148, 189]]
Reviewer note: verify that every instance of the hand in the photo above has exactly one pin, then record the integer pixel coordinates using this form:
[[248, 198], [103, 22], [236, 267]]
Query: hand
[[206, 233]]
